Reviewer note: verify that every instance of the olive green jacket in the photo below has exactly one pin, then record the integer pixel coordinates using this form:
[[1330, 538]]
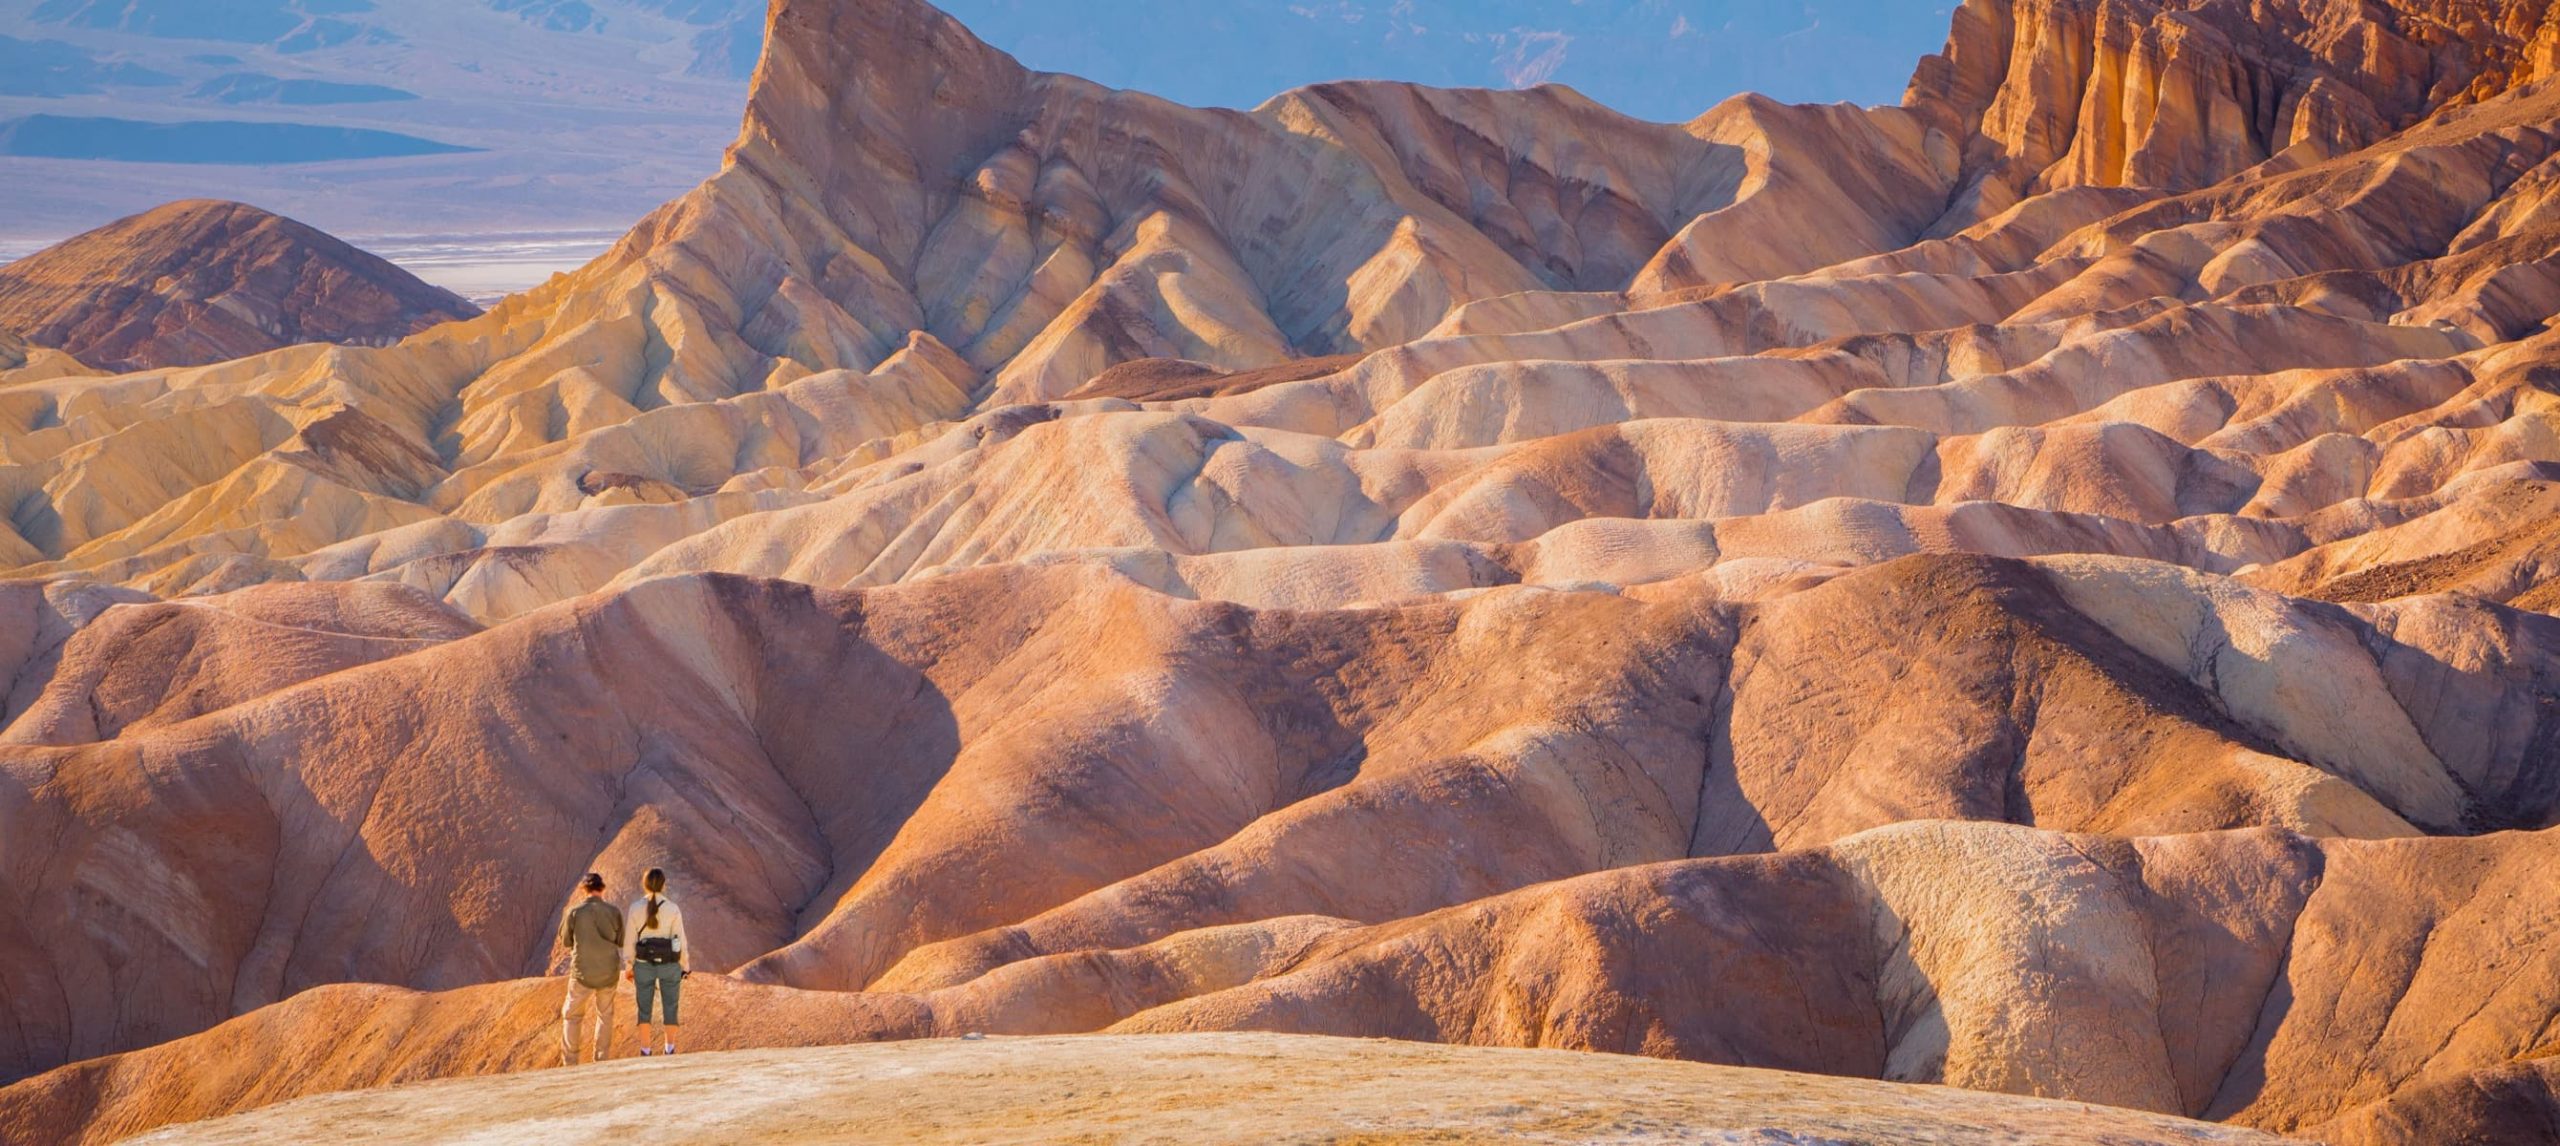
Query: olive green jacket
[[593, 931]]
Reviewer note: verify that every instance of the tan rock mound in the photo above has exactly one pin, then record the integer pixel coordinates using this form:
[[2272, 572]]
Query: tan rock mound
[[204, 281], [161, 663]]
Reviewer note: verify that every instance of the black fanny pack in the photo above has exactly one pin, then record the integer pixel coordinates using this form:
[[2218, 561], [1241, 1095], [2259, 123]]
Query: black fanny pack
[[655, 949]]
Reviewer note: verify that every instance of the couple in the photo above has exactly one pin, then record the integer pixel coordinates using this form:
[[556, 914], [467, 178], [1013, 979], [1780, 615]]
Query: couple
[[601, 944]]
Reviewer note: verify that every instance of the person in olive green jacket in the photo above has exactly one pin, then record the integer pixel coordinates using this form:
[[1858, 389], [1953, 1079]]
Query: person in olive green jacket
[[592, 930]]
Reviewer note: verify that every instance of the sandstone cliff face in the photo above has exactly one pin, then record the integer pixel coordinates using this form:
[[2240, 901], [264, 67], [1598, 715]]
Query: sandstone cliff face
[[2178, 94], [204, 281], [1947, 593]]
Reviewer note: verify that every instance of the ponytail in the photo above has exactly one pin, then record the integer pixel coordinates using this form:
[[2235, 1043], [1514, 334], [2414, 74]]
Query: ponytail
[[656, 883]]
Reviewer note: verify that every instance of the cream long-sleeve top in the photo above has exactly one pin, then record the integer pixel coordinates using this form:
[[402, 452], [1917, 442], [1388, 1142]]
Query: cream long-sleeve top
[[670, 925]]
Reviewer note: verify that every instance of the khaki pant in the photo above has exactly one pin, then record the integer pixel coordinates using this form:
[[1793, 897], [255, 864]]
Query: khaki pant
[[573, 1012]]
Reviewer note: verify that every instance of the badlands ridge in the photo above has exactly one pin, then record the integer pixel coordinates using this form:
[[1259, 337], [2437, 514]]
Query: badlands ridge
[[2045, 589], [203, 281]]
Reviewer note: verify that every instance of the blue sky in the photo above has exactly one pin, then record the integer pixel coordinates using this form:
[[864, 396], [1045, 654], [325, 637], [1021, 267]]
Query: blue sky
[[1659, 59]]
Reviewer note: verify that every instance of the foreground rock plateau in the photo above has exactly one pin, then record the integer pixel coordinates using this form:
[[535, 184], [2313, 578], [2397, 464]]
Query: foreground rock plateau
[[2045, 589], [1240, 1088]]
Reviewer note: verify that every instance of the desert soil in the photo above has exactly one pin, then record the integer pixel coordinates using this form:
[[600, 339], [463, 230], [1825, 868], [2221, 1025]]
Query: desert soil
[[1181, 1088]]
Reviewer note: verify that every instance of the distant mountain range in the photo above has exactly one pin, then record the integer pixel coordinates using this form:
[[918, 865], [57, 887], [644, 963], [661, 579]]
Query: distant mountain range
[[295, 27], [215, 141], [369, 117]]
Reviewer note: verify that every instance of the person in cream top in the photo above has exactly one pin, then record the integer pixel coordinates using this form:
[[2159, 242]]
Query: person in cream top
[[656, 957]]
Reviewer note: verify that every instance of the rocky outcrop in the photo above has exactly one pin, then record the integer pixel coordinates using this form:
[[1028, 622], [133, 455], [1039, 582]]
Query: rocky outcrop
[[2179, 94], [20, 362], [203, 281]]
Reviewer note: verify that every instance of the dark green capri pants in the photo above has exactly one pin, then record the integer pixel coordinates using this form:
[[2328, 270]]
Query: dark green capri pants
[[662, 979]]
